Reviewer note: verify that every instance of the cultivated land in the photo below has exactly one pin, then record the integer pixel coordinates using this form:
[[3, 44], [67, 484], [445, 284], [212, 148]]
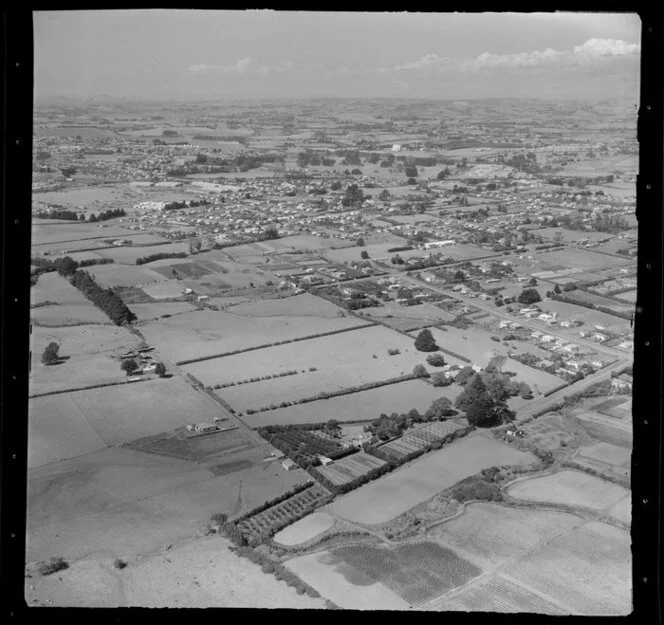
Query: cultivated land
[[305, 529], [362, 406], [571, 488], [376, 502]]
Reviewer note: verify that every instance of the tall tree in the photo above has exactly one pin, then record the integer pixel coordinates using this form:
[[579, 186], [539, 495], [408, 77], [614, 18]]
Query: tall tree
[[425, 341]]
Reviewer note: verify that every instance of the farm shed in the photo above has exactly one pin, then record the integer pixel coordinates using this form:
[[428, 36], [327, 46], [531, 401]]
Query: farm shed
[[289, 465]]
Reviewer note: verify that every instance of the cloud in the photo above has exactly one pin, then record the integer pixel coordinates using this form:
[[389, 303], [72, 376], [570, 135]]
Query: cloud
[[249, 66], [428, 62], [591, 52]]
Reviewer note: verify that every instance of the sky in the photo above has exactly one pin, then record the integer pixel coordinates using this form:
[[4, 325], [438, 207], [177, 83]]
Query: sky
[[164, 54]]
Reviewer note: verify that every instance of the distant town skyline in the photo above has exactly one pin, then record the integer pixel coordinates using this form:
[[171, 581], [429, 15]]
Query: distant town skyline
[[266, 54]]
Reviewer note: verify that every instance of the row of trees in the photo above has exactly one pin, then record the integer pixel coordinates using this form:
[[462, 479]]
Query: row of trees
[[160, 256], [104, 299], [69, 215]]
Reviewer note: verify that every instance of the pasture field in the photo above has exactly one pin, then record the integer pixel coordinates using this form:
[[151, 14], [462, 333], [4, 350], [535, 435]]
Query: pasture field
[[343, 360], [305, 529], [128, 254], [196, 448], [52, 287], [498, 593], [68, 315], [305, 305], [598, 300], [47, 231], [88, 353], [628, 296], [588, 569], [58, 430], [350, 588], [393, 494], [147, 408], [377, 251], [418, 572], [406, 318], [492, 535], [585, 260], [165, 289], [348, 468], [283, 511], [209, 332], [362, 406], [616, 407], [112, 275], [149, 311], [606, 458], [571, 488], [622, 510], [606, 428], [568, 235]]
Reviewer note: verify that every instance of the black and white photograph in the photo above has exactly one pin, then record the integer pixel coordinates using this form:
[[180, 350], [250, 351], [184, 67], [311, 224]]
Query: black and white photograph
[[333, 310]]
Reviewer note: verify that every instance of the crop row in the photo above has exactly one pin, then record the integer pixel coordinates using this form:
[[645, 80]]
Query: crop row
[[283, 374]]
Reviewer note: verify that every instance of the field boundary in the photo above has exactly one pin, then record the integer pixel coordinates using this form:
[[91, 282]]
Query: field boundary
[[87, 388], [266, 345]]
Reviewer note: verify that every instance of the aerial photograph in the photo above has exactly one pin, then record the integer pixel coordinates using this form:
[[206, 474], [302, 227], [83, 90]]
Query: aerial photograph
[[332, 310]]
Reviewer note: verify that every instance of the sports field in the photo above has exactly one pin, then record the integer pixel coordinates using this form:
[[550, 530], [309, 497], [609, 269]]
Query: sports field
[[389, 496]]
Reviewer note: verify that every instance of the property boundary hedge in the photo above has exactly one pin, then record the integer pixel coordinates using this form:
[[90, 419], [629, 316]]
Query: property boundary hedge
[[148, 259], [451, 353]]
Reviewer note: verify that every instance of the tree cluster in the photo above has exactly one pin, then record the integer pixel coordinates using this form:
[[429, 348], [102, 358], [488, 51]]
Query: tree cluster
[[104, 299]]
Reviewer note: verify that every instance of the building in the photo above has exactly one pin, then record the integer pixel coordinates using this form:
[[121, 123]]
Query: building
[[289, 465], [205, 427], [324, 460]]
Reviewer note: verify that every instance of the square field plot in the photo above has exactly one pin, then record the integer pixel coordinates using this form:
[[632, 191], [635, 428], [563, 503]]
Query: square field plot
[[57, 430], [417, 572], [588, 570], [585, 260], [122, 414]]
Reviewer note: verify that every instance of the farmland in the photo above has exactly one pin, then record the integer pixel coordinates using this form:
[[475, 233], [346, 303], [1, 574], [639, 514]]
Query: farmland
[[567, 570], [342, 361], [585, 260], [89, 356], [348, 587], [419, 437], [305, 529], [376, 502], [417, 572], [571, 488], [209, 332], [163, 405], [606, 458], [349, 468], [283, 513], [362, 406], [498, 593]]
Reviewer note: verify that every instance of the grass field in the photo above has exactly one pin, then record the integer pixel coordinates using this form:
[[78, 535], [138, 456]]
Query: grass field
[[197, 448], [88, 354], [128, 254], [492, 535], [417, 572], [606, 458], [498, 593], [362, 406], [348, 468], [383, 499], [587, 569], [606, 428], [305, 529], [210, 332], [112, 275], [571, 488], [156, 310], [350, 588], [343, 360], [582, 259], [549, 431], [68, 315], [146, 408], [165, 289], [57, 430]]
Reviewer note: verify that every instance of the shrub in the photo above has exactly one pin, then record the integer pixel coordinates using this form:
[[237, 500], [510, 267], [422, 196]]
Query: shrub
[[425, 341], [476, 487], [436, 360], [393, 352], [119, 563]]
